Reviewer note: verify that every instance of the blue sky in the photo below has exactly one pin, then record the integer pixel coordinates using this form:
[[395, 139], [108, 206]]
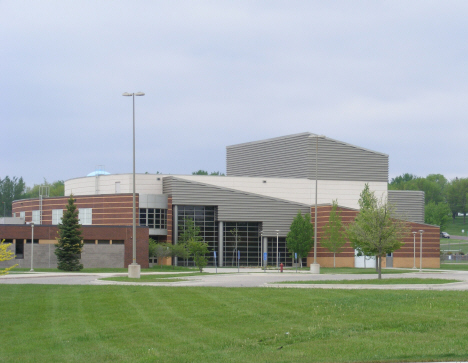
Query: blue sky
[[389, 76]]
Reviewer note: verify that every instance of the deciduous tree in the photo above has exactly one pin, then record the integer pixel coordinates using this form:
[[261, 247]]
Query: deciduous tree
[[300, 237], [5, 255], [198, 250], [438, 214], [374, 230], [333, 237]]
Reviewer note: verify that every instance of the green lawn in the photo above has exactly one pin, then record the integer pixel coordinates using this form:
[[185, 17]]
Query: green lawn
[[403, 281], [352, 270], [455, 227], [454, 266], [154, 278], [454, 245], [58, 323]]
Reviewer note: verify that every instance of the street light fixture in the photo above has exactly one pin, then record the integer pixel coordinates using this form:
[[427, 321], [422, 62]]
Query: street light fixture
[[414, 249], [315, 268], [134, 268], [420, 250], [32, 246], [277, 249]]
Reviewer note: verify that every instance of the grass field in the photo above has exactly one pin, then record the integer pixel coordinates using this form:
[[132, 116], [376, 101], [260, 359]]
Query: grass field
[[52, 323], [154, 278], [455, 227], [454, 245], [403, 281]]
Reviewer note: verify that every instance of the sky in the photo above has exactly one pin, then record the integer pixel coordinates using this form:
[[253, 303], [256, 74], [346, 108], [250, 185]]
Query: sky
[[390, 76]]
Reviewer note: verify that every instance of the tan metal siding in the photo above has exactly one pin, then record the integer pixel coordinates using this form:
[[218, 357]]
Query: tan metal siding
[[409, 204], [234, 206], [294, 157]]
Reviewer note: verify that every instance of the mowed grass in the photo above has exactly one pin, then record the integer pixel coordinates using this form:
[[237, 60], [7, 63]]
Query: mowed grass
[[453, 245], [402, 281], [463, 266], [352, 270], [154, 278], [58, 323], [455, 227]]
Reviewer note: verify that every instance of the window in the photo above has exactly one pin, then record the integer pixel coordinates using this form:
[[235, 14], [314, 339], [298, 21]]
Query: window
[[36, 216], [85, 215], [19, 249], [117, 187], [22, 214], [57, 215], [153, 218]]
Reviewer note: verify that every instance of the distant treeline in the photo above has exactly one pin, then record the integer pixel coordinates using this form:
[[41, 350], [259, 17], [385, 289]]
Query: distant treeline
[[15, 188], [443, 198]]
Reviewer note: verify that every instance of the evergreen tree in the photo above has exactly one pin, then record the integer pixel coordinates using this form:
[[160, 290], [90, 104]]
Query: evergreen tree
[[70, 242], [333, 237]]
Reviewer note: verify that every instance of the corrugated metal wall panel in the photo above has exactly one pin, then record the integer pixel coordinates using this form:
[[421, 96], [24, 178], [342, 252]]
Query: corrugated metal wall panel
[[235, 206], [409, 204], [294, 157]]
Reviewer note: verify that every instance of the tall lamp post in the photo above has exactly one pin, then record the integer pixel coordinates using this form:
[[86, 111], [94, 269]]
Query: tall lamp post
[[32, 246], [420, 250], [315, 267], [414, 249], [277, 249], [134, 268]]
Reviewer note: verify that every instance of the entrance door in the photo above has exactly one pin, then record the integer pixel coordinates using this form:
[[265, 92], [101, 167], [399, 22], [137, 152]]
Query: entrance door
[[389, 260]]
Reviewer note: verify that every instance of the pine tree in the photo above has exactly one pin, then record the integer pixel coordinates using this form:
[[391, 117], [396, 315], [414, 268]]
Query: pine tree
[[70, 242]]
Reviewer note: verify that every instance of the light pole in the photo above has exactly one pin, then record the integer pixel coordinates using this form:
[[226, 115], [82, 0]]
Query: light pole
[[420, 250], [134, 268], [277, 249], [414, 249], [32, 246], [315, 268]]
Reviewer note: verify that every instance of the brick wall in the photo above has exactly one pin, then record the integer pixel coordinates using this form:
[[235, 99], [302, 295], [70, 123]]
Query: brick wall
[[107, 209], [404, 257], [47, 234]]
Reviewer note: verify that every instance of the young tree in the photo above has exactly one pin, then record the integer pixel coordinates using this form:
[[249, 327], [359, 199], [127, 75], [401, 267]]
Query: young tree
[[198, 250], [375, 232], [300, 238], [333, 237], [190, 233], [159, 250], [5, 255], [70, 244]]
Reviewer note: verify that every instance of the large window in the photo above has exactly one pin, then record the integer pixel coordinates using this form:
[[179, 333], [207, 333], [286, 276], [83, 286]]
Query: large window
[[22, 214], [205, 219], [243, 238], [57, 215], [85, 215], [36, 216], [153, 218]]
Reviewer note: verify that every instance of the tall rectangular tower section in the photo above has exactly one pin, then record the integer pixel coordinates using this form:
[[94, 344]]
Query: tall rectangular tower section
[[294, 156]]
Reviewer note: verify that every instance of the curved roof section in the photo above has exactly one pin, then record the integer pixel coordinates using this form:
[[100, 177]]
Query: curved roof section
[[98, 172]]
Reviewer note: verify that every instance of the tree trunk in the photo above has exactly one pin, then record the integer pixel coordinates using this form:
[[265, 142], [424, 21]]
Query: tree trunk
[[379, 262], [334, 265]]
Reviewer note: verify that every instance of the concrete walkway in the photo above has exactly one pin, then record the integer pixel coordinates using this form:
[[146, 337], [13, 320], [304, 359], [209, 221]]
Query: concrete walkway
[[246, 278]]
